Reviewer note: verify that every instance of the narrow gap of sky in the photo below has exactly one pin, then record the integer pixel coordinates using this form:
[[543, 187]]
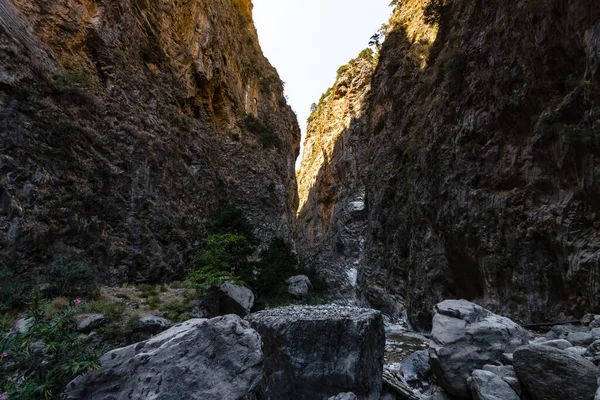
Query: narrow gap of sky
[[308, 40]]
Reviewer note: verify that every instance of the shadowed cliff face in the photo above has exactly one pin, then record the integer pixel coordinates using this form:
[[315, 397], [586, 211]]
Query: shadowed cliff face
[[479, 148], [124, 123]]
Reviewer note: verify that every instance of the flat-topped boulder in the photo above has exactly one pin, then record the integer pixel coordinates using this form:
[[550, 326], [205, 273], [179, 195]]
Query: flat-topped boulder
[[208, 359], [316, 352]]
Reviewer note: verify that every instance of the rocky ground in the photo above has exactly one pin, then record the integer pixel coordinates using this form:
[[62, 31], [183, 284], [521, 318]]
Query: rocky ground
[[345, 353]]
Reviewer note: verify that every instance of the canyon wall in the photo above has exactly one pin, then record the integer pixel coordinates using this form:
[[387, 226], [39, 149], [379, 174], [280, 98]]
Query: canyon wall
[[478, 149], [124, 124]]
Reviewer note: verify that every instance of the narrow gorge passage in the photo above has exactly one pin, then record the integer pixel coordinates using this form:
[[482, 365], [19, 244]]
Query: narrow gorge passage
[[157, 240], [461, 161]]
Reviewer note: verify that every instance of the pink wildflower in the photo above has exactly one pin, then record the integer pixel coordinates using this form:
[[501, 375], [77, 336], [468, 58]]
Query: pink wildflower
[[3, 396], [4, 354], [76, 301]]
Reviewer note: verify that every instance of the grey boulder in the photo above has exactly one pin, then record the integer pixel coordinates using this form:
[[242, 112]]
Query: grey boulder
[[315, 352], [486, 385], [22, 325], [580, 338], [508, 374], [299, 286], [466, 338], [90, 323], [576, 350], [552, 374], [152, 324], [214, 359], [557, 343], [344, 396], [593, 349], [416, 366], [234, 299]]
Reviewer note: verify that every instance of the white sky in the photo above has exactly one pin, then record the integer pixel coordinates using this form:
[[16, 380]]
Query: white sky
[[308, 40]]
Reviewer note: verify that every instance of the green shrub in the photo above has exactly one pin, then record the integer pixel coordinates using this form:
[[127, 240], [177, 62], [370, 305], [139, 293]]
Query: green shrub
[[277, 263], [70, 278], [56, 307], [266, 134], [224, 258], [154, 302], [231, 219], [177, 310], [147, 291], [29, 373], [112, 310], [15, 289], [432, 13]]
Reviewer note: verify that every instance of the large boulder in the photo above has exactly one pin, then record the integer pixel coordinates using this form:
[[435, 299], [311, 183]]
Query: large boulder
[[508, 374], [547, 373], [152, 324], [232, 299], [467, 337], [214, 359], [299, 286], [486, 385], [90, 322], [314, 352]]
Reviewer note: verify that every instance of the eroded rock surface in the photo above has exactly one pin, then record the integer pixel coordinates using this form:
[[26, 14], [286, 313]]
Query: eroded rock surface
[[320, 351], [214, 359], [553, 374], [468, 337]]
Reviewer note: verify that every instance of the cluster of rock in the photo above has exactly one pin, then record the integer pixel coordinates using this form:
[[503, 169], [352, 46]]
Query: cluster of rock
[[477, 354], [332, 352], [318, 352]]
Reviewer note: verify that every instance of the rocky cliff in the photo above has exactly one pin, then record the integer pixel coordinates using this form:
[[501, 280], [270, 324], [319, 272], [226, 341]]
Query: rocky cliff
[[124, 123], [331, 217], [478, 151]]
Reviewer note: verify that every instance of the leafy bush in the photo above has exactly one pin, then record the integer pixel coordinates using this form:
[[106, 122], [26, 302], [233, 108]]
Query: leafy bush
[[15, 289], [231, 219], [71, 278], [277, 263], [112, 310], [224, 258], [266, 134], [177, 310], [432, 13], [57, 307], [39, 363]]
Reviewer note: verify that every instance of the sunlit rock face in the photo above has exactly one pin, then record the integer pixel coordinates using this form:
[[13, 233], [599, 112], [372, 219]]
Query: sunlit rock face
[[125, 123], [331, 217], [477, 148]]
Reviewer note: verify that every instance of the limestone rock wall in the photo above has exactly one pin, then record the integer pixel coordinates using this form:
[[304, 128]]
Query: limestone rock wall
[[331, 216], [479, 158], [124, 123]]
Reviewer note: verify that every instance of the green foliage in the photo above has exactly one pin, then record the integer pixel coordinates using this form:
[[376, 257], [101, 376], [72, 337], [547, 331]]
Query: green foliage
[[15, 289], [147, 291], [266, 134], [432, 13], [70, 278], [112, 310], [177, 310], [224, 258], [277, 263], [573, 133], [39, 363], [74, 80], [231, 219]]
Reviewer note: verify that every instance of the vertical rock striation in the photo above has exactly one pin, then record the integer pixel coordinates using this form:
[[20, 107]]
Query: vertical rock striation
[[124, 123], [479, 147], [331, 216]]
